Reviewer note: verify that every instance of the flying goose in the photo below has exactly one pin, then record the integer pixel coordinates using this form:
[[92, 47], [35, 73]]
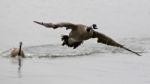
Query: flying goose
[[79, 33]]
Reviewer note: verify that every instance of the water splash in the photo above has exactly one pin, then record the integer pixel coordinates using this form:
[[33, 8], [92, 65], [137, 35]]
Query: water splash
[[53, 51]]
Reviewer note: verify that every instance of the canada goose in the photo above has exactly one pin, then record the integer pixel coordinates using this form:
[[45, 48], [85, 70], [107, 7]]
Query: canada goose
[[79, 33], [17, 51]]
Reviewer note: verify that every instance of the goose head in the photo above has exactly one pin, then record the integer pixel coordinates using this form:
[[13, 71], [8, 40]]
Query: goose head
[[94, 26]]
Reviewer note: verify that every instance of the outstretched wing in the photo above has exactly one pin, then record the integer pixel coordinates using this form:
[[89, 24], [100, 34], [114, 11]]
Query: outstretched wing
[[108, 41], [54, 26]]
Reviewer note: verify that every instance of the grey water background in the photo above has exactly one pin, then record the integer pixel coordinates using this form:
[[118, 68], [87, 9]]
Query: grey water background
[[118, 19]]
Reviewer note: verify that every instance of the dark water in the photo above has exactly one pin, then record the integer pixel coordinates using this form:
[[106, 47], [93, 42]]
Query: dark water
[[52, 51]]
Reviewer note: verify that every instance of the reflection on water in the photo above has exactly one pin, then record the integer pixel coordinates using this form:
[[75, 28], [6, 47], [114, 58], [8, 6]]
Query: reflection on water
[[53, 51], [19, 74]]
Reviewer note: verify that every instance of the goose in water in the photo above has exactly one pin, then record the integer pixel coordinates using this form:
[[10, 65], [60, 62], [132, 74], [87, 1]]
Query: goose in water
[[17, 51], [79, 33]]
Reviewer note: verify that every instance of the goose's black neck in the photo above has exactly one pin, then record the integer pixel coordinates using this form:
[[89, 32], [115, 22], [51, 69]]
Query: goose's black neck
[[20, 46]]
